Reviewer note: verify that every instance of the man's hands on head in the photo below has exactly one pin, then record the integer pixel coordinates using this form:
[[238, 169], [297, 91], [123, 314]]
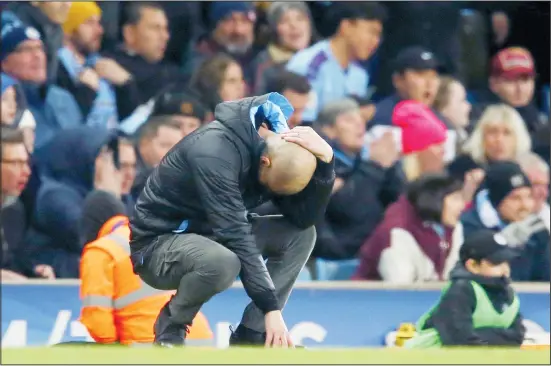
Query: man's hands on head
[[311, 141], [277, 335]]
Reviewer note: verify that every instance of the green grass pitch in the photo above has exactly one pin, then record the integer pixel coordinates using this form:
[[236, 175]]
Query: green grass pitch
[[190, 355]]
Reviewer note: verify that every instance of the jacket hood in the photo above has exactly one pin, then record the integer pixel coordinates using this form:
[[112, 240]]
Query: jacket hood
[[70, 156], [245, 116], [460, 272]]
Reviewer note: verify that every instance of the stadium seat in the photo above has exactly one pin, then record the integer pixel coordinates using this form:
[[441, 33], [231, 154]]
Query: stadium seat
[[328, 270]]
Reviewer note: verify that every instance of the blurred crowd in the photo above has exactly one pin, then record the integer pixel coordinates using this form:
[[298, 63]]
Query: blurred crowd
[[438, 114]]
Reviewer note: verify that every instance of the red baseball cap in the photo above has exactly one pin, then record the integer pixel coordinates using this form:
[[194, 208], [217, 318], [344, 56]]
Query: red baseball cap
[[512, 63]]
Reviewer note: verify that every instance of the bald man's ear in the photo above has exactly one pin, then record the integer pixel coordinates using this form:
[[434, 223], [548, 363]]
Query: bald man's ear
[[265, 161]]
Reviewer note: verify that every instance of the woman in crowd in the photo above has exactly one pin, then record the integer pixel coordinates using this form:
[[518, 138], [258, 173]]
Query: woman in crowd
[[219, 79], [416, 240], [291, 29], [451, 102], [500, 135], [423, 137]]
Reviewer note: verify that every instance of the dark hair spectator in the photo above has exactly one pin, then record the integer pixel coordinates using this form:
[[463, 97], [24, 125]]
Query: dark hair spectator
[[358, 31], [296, 89], [416, 242], [219, 79], [184, 107]]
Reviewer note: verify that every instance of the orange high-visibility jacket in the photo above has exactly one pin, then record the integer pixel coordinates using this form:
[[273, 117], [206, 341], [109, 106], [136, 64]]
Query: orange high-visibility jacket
[[117, 306]]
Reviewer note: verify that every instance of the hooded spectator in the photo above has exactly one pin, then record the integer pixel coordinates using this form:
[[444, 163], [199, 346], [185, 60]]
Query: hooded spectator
[[513, 81], [296, 89], [232, 24], [507, 200], [136, 70], [183, 107], [537, 171], [219, 79], [452, 104], [416, 241], [83, 36], [15, 175], [23, 58], [415, 77], [354, 211], [74, 163], [291, 29], [154, 139], [330, 65], [500, 135], [423, 136], [46, 17]]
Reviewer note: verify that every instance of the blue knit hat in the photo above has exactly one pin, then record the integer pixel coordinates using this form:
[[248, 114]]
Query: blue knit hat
[[7, 81], [221, 9], [13, 34]]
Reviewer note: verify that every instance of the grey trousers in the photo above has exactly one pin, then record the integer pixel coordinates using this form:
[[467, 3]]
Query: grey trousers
[[199, 268]]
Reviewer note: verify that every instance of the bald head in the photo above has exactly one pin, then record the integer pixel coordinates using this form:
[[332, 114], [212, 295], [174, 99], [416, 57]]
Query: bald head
[[286, 168]]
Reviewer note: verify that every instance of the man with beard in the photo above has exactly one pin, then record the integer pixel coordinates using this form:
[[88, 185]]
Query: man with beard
[[94, 95], [232, 25]]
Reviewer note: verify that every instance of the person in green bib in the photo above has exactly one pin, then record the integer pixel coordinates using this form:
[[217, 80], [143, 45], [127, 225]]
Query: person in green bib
[[478, 306]]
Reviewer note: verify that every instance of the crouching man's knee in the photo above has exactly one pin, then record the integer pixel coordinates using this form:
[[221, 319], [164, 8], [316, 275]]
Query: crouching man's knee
[[306, 240], [222, 269]]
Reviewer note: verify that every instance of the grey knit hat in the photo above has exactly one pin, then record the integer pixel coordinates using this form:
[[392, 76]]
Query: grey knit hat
[[278, 8]]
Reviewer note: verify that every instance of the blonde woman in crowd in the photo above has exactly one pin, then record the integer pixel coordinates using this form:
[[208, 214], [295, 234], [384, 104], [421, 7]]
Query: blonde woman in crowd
[[499, 135]]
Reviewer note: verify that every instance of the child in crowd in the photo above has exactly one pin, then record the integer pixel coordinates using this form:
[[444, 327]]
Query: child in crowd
[[478, 307]]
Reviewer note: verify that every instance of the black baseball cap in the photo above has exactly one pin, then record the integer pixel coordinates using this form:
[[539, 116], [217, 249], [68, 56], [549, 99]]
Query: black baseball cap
[[415, 58], [488, 245], [179, 103]]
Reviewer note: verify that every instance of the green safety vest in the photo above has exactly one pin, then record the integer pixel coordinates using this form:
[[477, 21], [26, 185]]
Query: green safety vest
[[484, 315]]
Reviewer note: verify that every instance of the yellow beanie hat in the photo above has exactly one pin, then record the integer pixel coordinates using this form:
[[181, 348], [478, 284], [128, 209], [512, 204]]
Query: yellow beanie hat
[[79, 12]]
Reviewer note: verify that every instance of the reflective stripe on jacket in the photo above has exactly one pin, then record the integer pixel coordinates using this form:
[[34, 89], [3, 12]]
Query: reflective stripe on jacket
[[117, 306]]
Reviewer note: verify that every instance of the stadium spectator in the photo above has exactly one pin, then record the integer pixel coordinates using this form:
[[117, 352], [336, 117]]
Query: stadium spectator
[[537, 171], [290, 27], [296, 89], [423, 136], [23, 59], [415, 77], [46, 17], [512, 82], [416, 241], [136, 69], [219, 79], [232, 24], [9, 100], [330, 65], [83, 35], [127, 163], [500, 135], [15, 175], [506, 205], [75, 162], [366, 181], [452, 104], [154, 139], [182, 106]]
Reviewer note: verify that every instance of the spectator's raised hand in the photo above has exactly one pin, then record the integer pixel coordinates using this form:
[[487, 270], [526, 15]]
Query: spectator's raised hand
[[384, 151], [518, 233], [311, 141], [44, 271], [111, 71], [107, 177], [89, 77], [473, 179]]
